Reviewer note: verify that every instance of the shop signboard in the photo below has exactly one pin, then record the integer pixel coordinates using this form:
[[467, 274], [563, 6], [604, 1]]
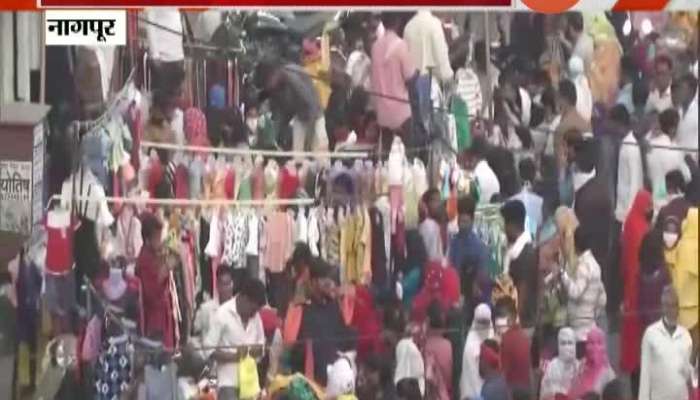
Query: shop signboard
[[15, 196]]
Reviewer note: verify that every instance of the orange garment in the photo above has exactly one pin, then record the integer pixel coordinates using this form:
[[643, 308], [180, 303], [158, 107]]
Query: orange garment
[[605, 72], [451, 206], [219, 184]]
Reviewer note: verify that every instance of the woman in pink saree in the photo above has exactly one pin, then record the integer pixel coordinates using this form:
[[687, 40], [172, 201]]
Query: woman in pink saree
[[595, 371]]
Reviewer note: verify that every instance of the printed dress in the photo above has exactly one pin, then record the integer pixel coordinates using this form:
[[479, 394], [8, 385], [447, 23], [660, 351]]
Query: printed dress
[[113, 372]]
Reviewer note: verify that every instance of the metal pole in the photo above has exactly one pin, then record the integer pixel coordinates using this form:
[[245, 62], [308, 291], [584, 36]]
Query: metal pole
[[487, 41], [42, 88]]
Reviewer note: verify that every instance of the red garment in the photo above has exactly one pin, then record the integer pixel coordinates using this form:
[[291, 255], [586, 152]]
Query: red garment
[[633, 231], [366, 322], [515, 358], [438, 358], [271, 321], [441, 283], [59, 249], [195, 127], [156, 173], [230, 184], [159, 321], [182, 183], [289, 183]]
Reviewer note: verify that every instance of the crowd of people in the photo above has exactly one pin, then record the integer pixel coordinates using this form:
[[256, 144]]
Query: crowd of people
[[592, 154], [584, 136]]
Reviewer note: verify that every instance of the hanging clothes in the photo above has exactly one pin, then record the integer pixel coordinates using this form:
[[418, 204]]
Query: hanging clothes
[[113, 371]]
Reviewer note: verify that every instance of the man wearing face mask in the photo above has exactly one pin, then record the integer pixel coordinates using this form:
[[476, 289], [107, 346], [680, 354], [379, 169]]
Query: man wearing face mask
[[666, 351], [560, 372]]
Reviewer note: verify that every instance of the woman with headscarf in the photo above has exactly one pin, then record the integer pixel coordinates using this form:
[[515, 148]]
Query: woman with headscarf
[[671, 233], [633, 231], [558, 251], [559, 374], [566, 222], [341, 378], [471, 382], [586, 297], [595, 371], [367, 323], [440, 284], [409, 360]]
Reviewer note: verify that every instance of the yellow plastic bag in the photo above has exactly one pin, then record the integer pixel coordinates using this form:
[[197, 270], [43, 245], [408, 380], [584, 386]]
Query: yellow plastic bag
[[248, 382]]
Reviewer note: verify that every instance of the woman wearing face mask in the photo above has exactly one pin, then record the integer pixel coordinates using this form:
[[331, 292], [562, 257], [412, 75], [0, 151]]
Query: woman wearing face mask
[[557, 252], [633, 231], [559, 374], [482, 328], [595, 371], [584, 288], [671, 233]]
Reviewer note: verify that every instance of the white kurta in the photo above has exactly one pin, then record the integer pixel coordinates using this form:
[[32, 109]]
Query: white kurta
[[661, 161], [427, 44], [487, 180], [666, 368], [688, 127], [558, 377], [630, 176], [659, 102]]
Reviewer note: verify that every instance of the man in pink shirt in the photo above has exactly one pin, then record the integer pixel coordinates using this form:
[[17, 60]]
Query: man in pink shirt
[[392, 67]]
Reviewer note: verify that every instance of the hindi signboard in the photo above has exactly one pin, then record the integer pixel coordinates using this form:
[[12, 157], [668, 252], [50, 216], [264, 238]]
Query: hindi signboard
[[85, 27], [16, 196]]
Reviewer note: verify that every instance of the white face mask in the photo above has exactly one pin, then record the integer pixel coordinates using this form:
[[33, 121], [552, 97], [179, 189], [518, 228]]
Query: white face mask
[[501, 325], [252, 124], [567, 345], [670, 239]]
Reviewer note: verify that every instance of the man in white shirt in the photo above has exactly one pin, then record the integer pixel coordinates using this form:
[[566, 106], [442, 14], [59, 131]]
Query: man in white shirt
[[486, 179], [164, 41], [666, 351], [236, 331], [660, 96], [429, 229], [630, 176], [664, 158], [685, 98], [204, 318], [427, 44], [584, 97]]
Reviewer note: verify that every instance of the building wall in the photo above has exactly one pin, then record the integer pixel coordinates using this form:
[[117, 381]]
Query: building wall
[[20, 54]]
